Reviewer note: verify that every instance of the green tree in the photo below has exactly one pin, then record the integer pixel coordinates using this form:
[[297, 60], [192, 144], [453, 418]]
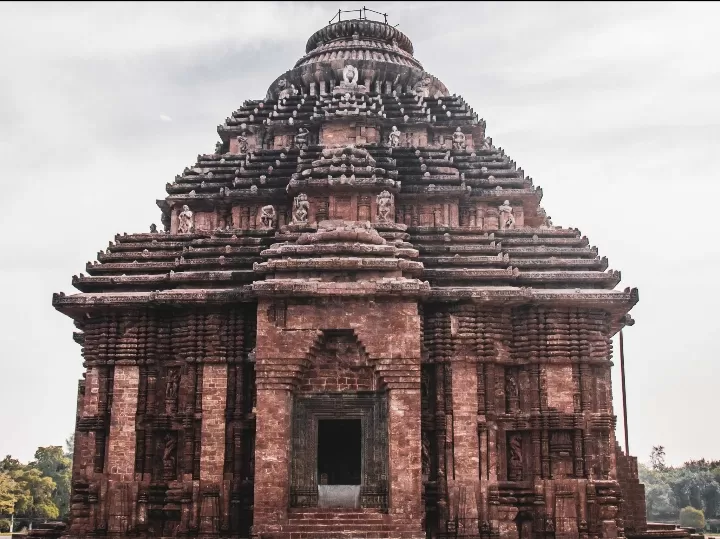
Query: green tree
[[35, 498], [55, 464], [657, 458], [692, 518], [660, 500], [8, 493]]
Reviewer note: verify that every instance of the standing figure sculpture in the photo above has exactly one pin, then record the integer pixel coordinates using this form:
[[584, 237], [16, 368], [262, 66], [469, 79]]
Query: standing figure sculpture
[[301, 209], [186, 224], [168, 458], [394, 137], [242, 143], [301, 139], [384, 207], [515, 458], [268, 216], [459, 140], [507, 219]]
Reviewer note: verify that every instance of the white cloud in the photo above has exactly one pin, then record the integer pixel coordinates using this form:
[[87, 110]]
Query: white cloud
[[165, 118]]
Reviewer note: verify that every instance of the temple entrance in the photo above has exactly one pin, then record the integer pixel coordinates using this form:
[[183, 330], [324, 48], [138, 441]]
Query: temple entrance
[[339, 457], [340, 450]]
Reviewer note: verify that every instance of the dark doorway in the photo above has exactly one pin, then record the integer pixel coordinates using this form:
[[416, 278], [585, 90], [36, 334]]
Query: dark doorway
[[339, 451]]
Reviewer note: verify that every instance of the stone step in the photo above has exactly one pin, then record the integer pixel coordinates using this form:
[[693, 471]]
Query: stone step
[[348, 534]]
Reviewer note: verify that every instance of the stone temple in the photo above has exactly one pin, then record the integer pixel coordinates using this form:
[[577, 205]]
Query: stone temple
[[358, 322]]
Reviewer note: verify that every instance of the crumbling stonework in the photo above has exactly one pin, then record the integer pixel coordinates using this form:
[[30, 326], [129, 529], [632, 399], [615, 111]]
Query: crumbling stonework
[[357, 252]]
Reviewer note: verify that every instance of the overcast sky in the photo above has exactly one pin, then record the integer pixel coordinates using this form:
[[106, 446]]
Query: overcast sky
[[611, 107]]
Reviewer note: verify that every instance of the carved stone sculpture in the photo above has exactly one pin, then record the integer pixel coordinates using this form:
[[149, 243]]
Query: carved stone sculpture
[[507, 219], [459, 140], [153, 228], [384, 207], [242, 143], [186, 222], [218, 147], [301, 139], [350, 74], [268, 215], [173, 383], [511, 392], [284, 90], [301, 209], [394, 138], [515, 458], [350, 81], [422, 87], [169, 454]]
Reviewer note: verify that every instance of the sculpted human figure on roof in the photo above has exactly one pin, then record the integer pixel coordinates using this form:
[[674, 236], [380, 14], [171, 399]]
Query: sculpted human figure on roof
[[507, 219], [186, 223], [384, 206], [459, 139], [301, 209], [267, 216], [350, 74], [242, 142], [301, 139], [394, 138]]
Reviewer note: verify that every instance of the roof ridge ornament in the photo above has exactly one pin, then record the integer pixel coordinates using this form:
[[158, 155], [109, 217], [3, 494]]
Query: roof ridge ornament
[[362, 15]]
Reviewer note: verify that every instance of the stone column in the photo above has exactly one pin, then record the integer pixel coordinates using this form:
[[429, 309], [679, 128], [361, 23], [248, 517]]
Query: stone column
[[121, 458], [272, 456], [405, 468], [466, 453], [121, 440], [212, 434]]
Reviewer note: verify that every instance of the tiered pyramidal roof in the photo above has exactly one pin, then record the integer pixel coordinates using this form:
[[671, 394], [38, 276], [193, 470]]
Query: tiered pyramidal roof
[[358, 172]]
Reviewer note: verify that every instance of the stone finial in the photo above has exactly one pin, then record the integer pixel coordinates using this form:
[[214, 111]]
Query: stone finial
[[507, 219], [301, 209], [394, 137], [242, 142], [268, 215], [459, 140], [186, 221], [385, 202], [301, 139]]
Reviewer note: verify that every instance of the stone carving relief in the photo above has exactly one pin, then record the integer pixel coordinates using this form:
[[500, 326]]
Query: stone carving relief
[[458, 140], [268, 216], [186, 222], [169, 456], [507, 219], [301, 209], [394, 137], [350, 74], [171, 390], [422, 87], [385, 202], [511, 392], [515, 458], [301, 139], [242, 142], [350, 81], [285, 89]]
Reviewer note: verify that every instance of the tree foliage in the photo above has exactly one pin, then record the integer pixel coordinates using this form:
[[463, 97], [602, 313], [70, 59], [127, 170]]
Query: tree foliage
[[692, 518], [694, 485], [39, 489]]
